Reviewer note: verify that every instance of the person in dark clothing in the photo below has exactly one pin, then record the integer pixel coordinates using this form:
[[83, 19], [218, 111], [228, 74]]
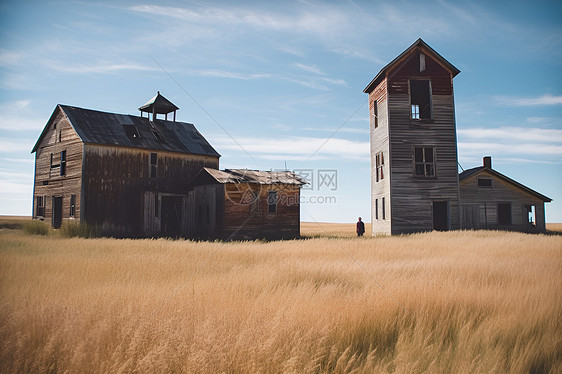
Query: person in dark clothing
[[360, 227]]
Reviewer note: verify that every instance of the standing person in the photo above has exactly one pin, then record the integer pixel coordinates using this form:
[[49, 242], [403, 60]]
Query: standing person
[[360, 227]]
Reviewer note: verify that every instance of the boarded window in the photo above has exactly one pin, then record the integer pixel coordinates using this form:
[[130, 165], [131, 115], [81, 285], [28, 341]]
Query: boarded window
[[72, 205], [379, 162], [376, 208], [504, 214], [420, 99], [484, 182], [376, 114], [272, 201], [422, 62], [40, 211], [153, 167], [424, 161], [63, 163]]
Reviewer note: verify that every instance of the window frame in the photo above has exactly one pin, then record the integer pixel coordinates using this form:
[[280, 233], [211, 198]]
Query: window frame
[[417, 115], [376, 113], [272, 200], [379, 166], [40, 205], [424, 163], [153, 167], [484, 185], [62, 163]]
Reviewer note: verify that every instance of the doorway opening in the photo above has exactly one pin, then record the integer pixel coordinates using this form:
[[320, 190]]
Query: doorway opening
[[57, 212], [441, 215]]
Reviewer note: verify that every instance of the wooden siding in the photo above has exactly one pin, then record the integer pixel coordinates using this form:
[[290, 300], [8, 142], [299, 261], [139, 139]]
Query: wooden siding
[[480, 205], [242, 219], [115, 181], [411, 198], [48, 181], [380, 143]]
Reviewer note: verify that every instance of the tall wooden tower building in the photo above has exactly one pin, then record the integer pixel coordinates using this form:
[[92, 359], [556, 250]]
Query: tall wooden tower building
[[414, 175]]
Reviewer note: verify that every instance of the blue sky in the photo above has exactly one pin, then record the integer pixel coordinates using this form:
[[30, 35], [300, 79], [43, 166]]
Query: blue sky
[[280, 83]]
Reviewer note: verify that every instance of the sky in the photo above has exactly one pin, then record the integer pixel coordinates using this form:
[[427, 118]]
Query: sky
[[279, 85]]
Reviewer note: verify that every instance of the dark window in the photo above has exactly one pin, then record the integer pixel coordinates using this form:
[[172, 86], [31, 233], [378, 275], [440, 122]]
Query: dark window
[[131, 131], [420, 98], [40, 206], [379, 163], [376, 208], [63, 163], [504, 214], [72, 205], [484, 182], [376, 113], [424, 161], [60, 136], [45, 183], [383, 209], [153, 165], [272, 201]]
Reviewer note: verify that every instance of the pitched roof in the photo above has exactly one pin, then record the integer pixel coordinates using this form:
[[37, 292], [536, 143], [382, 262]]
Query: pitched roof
[[477, 170], [248, 176], [159, 104], [417, 44], [95, 127]]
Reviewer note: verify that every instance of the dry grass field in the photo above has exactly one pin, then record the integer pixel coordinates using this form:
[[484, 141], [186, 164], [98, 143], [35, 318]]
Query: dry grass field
[[455, 302]]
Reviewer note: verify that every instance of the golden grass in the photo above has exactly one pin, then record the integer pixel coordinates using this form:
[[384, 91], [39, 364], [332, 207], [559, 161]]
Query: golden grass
[[458, 302], [324, 229]]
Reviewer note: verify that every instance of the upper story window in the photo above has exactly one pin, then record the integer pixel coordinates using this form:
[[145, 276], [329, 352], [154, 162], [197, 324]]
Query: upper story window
[[63, 163], [484, 182], [58, 162], [420, 99], [376, 114], [424, 161], [422, 62], [153, 167], [379, 163]]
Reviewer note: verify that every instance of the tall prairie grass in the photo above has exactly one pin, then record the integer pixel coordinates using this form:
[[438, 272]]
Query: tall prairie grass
[[457, 302]]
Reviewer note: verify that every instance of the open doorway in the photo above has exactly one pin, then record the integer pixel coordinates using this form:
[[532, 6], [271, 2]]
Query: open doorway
[[171, 211], [57, 212], [441, 215]]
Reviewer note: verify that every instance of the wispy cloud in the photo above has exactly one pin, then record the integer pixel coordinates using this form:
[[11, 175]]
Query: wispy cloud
[[18, 116], [546, 99], [231, 74], [100, 68], [297, 147], [512, 134]]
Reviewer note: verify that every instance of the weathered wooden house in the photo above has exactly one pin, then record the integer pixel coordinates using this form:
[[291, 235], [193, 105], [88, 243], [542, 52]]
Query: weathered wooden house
[[414, 174], [414, 178], [242, 203], [490, 200], [125, 174]]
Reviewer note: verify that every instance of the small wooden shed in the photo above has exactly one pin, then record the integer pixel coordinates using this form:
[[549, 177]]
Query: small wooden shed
[[246, 204], [491, 200]]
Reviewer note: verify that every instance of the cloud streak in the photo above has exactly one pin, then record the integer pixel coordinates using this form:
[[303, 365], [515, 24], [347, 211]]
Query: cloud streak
[[543, 100]]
